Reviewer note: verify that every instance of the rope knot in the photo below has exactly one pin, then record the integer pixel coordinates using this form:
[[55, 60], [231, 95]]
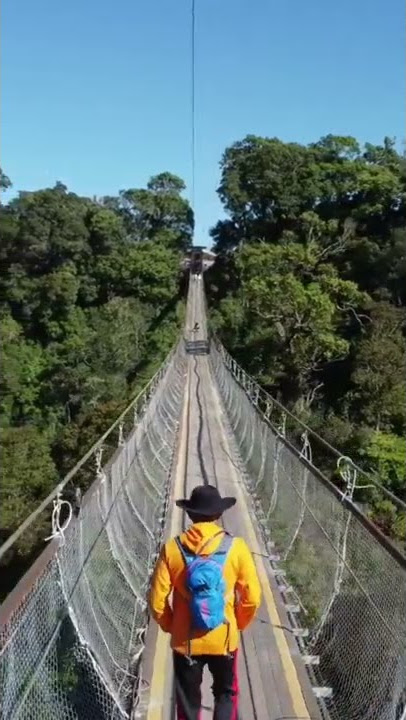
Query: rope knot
[[58, 530], [306, 451], [348, 472]]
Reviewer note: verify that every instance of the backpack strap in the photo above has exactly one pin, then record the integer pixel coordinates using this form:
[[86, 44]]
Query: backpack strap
[[221, 557], [220, 532], [225, 545], [183, 551], [224, 548], [189, 557]]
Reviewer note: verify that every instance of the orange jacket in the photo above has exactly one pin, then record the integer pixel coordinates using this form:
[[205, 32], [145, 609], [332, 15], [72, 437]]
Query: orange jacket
[[243, 593]]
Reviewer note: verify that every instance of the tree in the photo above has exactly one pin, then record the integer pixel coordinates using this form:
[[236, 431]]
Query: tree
[[385, 454], [356, 200], [90, 306], [166, 184], [384, 155], [103, 269], [379, 395], [265, 185], [52, 230], [308, 289], [295, 307], [23, 363], [5, 182], [159, 212], [28, 474], [106, 230], [151, 273], [118, 342]]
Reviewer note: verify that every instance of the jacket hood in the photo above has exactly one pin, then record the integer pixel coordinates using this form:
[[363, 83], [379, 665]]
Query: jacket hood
[[198, 534]]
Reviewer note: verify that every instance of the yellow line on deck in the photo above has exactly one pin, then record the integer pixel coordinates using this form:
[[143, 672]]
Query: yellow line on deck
[[292, 680], [162, 647]]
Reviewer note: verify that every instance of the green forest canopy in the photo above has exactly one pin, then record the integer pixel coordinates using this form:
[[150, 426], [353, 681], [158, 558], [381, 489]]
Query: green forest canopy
[[308, 293], [309, 290], [92, 304]]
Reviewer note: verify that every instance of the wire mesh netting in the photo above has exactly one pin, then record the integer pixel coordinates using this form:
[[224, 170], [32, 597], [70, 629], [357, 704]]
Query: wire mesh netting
[[72, 639], [71, 645], [344, 586]]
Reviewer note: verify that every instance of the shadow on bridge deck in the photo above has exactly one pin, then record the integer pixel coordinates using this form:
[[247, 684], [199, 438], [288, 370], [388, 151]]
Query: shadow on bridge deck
[[197, 347], [274, 684]]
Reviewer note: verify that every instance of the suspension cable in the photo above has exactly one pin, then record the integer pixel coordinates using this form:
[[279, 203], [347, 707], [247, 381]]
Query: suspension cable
[[193, 124]]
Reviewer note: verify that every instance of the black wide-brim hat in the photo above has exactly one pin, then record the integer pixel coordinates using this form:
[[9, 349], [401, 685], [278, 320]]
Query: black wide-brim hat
[[206, 500]]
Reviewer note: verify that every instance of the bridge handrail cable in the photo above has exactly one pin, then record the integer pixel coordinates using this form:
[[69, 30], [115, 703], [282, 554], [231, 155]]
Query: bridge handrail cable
[[57, 490], [369, 477]]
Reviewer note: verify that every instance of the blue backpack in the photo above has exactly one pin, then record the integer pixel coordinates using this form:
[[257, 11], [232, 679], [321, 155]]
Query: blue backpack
[[205, 583]]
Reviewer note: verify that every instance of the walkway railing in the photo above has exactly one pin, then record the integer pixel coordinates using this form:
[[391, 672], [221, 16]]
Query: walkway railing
[[72, 632], [343, 582]]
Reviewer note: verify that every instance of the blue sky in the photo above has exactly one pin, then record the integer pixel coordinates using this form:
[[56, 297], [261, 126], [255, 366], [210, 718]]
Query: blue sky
[[96, 93]]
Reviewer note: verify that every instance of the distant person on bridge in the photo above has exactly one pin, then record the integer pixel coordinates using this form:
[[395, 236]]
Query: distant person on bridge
[[216, 593], [196, 327]]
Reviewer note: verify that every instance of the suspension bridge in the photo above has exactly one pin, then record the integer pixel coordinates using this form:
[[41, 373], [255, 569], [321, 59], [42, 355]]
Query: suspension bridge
[[329, 640]]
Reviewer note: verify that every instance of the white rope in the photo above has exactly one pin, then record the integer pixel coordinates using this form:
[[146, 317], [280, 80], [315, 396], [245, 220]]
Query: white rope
[[121, 439], [263, 456], [282, 425], [100, 670], [88, 455], [348, 472], [99, 467], [306, 451], [306, 454], [278, 447], [268, 409], [101, 632], [116, 546], [58, 530], [373, 482]]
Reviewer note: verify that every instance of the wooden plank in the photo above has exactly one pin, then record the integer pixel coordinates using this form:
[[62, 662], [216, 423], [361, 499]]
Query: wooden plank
[[272, 687]]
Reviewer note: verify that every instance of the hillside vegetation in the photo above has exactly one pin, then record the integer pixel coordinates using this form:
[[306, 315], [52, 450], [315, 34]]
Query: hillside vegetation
[[92, 301], [309, 291]]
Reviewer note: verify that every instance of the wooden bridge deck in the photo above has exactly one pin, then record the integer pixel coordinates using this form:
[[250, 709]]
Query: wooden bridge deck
[[273, 680]]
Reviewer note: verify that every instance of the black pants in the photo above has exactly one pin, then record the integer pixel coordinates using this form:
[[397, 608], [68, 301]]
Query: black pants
[[188, 680]]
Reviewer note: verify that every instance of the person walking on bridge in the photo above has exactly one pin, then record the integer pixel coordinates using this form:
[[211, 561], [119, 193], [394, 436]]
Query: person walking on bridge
[[216, 593]]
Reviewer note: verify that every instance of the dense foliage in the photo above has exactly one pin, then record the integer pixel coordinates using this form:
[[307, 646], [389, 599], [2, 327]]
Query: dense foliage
[[309, 290], [92, 302]]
